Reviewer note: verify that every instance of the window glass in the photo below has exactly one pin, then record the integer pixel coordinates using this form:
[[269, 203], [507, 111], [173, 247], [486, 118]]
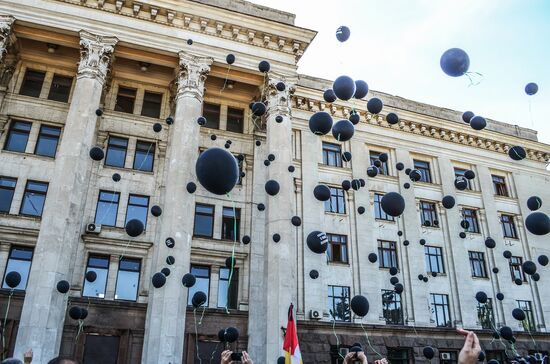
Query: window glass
[[18, 136], [125, 100], [204, 220], [138, 207], [225, 290], [7, 188], [337, 248], [211, 113], [34, 198], [100, 265], [144, 157], [338, 303], [116, 152], [19, 261], [32, 83], [336, 203], [332, 155], [127, 279], [152, 102], [107, 208], [46, 145], [202, 275], [424, 169], [60, 88], [235, 120]]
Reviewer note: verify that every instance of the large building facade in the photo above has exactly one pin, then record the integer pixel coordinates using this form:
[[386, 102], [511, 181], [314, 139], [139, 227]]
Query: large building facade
[[63, 60]]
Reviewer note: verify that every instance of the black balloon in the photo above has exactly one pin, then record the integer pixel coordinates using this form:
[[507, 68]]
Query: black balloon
[[373, 257], [156, 211], [415, 175], [344, 87], [201, 120], [296, 221], [481, 356], [361, 210], [469, 174], [359, 305], [393, 271], [170, 242], [116, 177], [329, 95], [317, 242], [199, 299], [346, 185], [372, 171], [280, 86], [342, 33], [448, 202], [393, 204], [543, 260], [343, 130], [346, 156], [538, 223], [408, 171], [264, 66], [425, 279], [75, 313], [258, 143], [467, 116], [518, 314], [462, 235], [191, 187], [399, 166], [500, 296], [375, 105], [495, 270], [454, 62], [281, 360], [406, 242], [165, 271], [271, 157], [272, 187], [279, 118], [157, 127], [258, 109], [313, 274], [291, 169], [189, 41], [478, 122], [230, 59], [517, 153], [134, 228], [267, 163], [91, 276], [465, 224], [217, 171], [261, 207], [422, 241], [83, 313], [169, 120], [188, 280], [213, 137], [246, 239], [407, 185], [320, 123], [481, 297], [392, 118], [383, 157], [361, 89], [529, 267], [158, 280], [518, 281], [398, 288], [99, 112], [534, 203], [321, 192], [461, 183], [531, 88], [13, 279], [428, 352], [535, 277], [490, 243], [231, 334], [394, 280], [276, 238], [230, 262], [170, 260], [355, 184], [96, 153], [63, 286], [355, 118]]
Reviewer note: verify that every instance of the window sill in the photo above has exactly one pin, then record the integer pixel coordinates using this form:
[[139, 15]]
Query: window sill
[[334, 169], [336, 214], [437, 274], [338, 264], [385, 221], [24, 154], [437, 228], [388, 268], [30, 217], [130, 170], [480, 278]]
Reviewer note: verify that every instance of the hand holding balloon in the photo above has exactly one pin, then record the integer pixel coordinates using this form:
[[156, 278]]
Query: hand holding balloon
[[471, 349]]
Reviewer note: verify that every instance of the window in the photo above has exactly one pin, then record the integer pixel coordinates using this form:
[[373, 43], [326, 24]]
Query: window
[[211, 113], [374, 156], [387, 254], [337, 248], [204, 220], [391, 307], [100, 265], [32, 83], [116, 152], [440, 309], [485, 314], [108, 353], [235, 120], [477, 264], [206, 352], [338, 303], [34, 198], [228, 293], [498, 355], [434, 259], [152, 102], [470, 215], [125, 100], [231, 221], [7, 187], [428, 214], [240, 165], [138, 207], [424, 169], [145, 156], [459, 172], [60, 88], [18, 136], [499, 184], [529, 322], [337, 202], [379, 213], [127, 281], [107, 208], [448, 357], [399, 355], [202, 274], [515, 268], [332, 155], [46, 145], [508, 226], [19, 261]]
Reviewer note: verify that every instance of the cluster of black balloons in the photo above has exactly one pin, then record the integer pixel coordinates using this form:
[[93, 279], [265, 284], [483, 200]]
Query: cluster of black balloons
[[228, 335], [78, 313], [537, 223]]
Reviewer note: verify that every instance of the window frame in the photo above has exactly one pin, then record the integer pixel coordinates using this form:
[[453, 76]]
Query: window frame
[[110, 203], [43, 134], [128, 96], [145, 92], [234, 284], [14, 129], [394, 304], [208, 124], [511, 226], [459, 172], [19, 247], [489, 306], [500, 187], [477, 260], [342, 242], [139, 261], [45, 194], [96, 256], [209, 277], [379, 213], [340, 198], [529, 324], [384, 168], [516, 265], [133, 204], [5, 188], [151, 150], [334, 150], [445, 306], [115, 146], [332, 303], [27, 70], [204, 214], [428, 208], [391, 250], [470, 215], [424, 168], [439, 258], [233, 109], [53, 84], [237, 217]]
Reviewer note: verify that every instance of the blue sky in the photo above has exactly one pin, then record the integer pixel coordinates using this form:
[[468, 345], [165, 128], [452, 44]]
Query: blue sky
[[395, 46]]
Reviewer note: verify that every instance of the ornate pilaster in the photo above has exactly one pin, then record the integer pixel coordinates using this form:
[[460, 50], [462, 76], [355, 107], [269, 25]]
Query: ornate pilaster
[[96, 54], [279, 101], [191, 75], [6, 35], [8, 59]]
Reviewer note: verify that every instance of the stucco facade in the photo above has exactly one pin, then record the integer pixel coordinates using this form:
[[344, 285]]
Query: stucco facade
[[105, 47]]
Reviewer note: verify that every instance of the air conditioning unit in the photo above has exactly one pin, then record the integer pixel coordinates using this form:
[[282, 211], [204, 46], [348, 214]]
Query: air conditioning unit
[[315, 315], [93, 228], [445, 356]]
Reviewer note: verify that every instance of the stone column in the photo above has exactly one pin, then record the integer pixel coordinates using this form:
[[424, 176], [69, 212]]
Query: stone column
[[7, 61], [43, 312], [279, 278], [165, 322]]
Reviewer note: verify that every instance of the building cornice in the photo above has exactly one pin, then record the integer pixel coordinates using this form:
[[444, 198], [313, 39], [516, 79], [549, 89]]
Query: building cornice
[[436, 129], [290, 40]]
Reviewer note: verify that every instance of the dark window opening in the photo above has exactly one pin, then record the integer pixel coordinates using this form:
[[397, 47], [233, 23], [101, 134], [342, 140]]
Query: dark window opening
[[125, 100], [211, 112], [204, 220], [231, 221], [235, 120], [60, 88], [152, 102], [32, 83], [337, 248]]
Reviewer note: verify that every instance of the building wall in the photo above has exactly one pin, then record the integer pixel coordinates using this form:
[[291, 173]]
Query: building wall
[[425, 132]]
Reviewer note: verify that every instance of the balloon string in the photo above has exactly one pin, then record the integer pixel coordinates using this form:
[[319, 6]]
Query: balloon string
[[196, 336], [4, 326], [471, 76], [368, 340], [213, 352], [531, 113], [232, 253], [80, 328], [336, 336], [225, 82]]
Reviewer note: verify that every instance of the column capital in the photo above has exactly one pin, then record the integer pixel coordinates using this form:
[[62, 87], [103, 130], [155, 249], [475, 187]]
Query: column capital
[[279, 99], [6, 35], [191, 75], [96, 54]]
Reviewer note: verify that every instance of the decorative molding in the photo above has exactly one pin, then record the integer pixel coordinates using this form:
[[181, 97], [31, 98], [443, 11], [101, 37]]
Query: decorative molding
[[214, 27], [96, 54], [6, 35], [191, 75], [279, 102], [408, 126]]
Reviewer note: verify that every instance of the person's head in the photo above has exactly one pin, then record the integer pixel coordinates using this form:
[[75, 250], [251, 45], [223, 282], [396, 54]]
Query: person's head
[[11, 361], [62, 360]]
